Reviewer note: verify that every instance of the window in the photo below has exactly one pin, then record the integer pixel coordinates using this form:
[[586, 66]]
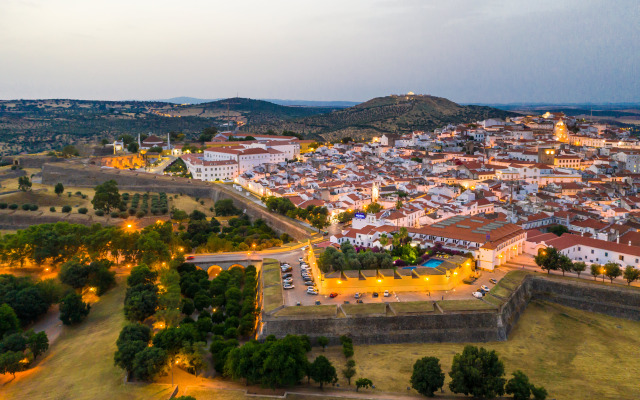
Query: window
[[621, 258], [591, 251], [606, 254]]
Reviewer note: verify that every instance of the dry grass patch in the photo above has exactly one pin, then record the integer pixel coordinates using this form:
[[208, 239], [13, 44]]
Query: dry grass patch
[[311, 311], [412, 307], [272, 298], [364, 309], [79, 365], [465, 305], [557, 347]]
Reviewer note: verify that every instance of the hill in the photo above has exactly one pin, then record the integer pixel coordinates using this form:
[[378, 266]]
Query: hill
[[394, 113], [245, 111], [293, 103]]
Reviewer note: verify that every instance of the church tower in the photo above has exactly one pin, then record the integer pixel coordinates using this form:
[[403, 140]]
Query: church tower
[[560, 132], [375, 192]]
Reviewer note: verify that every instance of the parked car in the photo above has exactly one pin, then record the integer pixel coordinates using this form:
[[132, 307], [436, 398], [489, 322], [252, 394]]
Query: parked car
[[309, 283], [333, 295], [325, 233], [477, 295], [312, 291], [375, 294], [300, 259], [190, 257], [358, 295], [287, 287], [386, 293], [287, 275], [288, 280], [286, 269], [317, 302], [481, 290], [493, 281], [359, 301], [485, 288]]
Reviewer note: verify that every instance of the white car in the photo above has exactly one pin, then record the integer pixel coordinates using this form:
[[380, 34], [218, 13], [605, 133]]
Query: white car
[[312, 291], [287, 287], [485, 288], [386, 293], [288, 280], [477, 295]]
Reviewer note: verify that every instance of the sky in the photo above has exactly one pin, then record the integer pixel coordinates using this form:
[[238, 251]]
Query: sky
[[470, 51]]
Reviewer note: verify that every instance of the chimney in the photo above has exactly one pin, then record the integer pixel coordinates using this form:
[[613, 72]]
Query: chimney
[[168, 141], [618, 239], [629, 242]]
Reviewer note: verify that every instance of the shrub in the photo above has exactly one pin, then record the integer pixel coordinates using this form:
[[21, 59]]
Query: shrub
[[66, 209], [82, 210], [3, 206], [140, 214], [26, 207], [13, 206], [132, 211], [114, 214], [33, 207], [123, 215], [99, 213], [52, 209]]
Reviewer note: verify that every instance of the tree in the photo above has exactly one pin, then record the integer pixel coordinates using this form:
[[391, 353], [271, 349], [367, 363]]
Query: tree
[[132, 340], [427, 376], [548, 259], [59, 189], [595, 270], [73, 310], [322, 371], [207, 134], [630, 274], [11, 362], [74, 273], [398, 204], [363, 383], [612, 270], [149, 363], [133, 147], [477, 372], [564, 264], [38, 343], [539, 392], [558, 230], [579, 267], [519, 386], [106, 196], [373, 208], [285, 363], [225, 207], [323, 341], [70, 151], [140, 302], [350, 370], [24, 183], [9, 321], [141, 274]]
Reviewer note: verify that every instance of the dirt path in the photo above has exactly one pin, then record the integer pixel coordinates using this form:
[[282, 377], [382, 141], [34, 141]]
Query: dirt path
[[50, 323]]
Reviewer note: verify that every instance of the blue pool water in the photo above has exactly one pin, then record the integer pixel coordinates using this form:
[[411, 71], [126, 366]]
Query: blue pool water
[[432, 263]]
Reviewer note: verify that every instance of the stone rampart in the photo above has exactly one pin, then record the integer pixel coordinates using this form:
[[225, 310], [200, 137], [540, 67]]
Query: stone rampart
[[468, 326], [71, 174]]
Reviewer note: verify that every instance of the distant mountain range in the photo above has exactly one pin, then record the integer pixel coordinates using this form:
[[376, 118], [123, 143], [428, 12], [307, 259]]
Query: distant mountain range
[[390, 114], [293, 103]]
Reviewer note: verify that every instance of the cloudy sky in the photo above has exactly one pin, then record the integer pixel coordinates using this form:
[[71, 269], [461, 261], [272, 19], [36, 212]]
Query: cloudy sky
[[479, 51]]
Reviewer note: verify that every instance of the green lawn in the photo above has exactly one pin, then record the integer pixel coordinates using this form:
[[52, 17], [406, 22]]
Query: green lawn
[[412, 307], [508, 284], [574, 354], [465, 305], [79, 365], [272, 298], [364, 309], [312, 311]]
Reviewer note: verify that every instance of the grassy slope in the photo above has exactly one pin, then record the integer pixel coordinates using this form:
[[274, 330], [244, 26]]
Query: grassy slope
[[574, 354], [80, 364]]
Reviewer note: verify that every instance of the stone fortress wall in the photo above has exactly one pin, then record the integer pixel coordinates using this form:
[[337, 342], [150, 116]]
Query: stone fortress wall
[[467, 326]]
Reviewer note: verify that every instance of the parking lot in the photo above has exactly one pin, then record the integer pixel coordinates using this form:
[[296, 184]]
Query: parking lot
[[462, 292]]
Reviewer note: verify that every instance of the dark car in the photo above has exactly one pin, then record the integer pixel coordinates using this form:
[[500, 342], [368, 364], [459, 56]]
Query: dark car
[[317, 302], [359, 301], [287, 275], [375, 294]]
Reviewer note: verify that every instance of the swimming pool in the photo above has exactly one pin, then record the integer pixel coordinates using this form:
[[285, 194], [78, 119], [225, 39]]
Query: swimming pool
[[432, 263]]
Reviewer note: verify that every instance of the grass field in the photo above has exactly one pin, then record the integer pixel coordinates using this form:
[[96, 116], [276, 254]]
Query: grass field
[[80, 364], [364, 309], [272, 298], [574, 354], [412, 307], [221, 394], [271, 272], [312, 311], [465, 305]]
